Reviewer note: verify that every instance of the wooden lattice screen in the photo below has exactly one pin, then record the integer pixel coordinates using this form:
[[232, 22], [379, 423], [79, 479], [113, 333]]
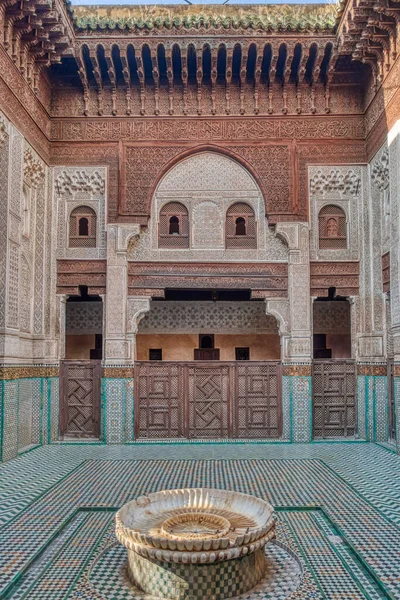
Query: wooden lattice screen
[[332, 228], [240, 235], [334, 399], [178, 235], [208, 400]]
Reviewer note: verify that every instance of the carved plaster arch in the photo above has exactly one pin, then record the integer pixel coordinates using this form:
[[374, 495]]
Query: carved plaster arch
[[281, 311], [137, 309], [202, 149]]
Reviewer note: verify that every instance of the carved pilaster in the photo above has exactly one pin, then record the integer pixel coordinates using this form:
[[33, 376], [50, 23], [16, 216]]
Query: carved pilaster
[[119, 345], [394, 175], [296, 345]]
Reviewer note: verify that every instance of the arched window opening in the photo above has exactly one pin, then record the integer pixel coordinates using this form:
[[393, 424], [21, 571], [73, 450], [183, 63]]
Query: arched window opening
[[82, 228], [173, 227], [240, 228], [332, 228]]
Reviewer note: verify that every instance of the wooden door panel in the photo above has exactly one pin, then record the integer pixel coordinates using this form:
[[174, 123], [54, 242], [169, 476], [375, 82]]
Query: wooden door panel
[[207, 399], [158, 400], [258, 400], [80, 398], [334, 399]]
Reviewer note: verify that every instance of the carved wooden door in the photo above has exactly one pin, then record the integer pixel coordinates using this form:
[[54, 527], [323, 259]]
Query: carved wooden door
[[257, 399], [159, 400], [334, 399], [391, 407], [209, 401], [80, 398]]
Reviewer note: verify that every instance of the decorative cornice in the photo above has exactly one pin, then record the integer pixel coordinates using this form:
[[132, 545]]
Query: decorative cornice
[[136, 19], [28, 372], [337, 180], [297, 370], [376, 370], [33, 169], [79, 181], [117, 373], [380, 170]]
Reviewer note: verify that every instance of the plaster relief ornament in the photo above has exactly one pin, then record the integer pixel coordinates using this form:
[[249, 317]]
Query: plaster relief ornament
[[335, 181], [79, 181], [190, 536], [3, 132], [33, 169], [380, 171]]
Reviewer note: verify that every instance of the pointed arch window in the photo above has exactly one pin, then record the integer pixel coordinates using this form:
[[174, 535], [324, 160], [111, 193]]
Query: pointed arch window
[[332, 227], [240, 231], [173, 228], [82, 228]]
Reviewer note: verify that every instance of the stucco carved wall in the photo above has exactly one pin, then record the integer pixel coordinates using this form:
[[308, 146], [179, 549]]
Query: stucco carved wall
[[207, 317], [78, 186], [341, 186], [207, 184], [26, 266]]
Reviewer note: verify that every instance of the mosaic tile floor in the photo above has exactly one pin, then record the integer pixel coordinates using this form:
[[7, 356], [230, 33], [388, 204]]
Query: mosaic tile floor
[[338, 508]]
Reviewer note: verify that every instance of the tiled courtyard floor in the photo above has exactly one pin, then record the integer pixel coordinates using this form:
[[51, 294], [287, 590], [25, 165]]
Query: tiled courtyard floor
[[338, 509]]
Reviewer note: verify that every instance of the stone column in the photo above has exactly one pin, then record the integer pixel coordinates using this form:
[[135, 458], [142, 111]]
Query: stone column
[[117, 381], [296, 340], [394, 176]]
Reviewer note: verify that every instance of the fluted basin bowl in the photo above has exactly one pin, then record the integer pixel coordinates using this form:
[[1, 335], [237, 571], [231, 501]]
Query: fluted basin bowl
[[195, 535]]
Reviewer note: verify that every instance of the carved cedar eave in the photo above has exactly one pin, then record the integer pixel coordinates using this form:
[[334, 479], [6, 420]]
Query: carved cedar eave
[[265, 280], [36, 34], [73, 273], [344, 276], [146, 75], [368, 31]]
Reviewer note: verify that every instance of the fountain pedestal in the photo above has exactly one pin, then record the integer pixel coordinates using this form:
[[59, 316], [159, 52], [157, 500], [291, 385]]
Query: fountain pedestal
[[196, 544]]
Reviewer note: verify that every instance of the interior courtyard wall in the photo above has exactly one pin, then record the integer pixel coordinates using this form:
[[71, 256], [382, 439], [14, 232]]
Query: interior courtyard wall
[[394, 176], [28, 352]]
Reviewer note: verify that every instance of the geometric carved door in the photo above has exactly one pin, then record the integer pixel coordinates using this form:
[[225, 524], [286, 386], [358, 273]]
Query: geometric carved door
[[203, 400], [158, 392], [80, 398], [209, 401], [258, 400], [334, 398]]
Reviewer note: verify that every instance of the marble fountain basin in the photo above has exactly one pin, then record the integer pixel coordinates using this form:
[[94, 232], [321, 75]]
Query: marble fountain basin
[[196, 543]]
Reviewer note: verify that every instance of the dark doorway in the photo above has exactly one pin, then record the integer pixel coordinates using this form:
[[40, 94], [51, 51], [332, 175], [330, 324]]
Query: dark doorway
[[80, 373]]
